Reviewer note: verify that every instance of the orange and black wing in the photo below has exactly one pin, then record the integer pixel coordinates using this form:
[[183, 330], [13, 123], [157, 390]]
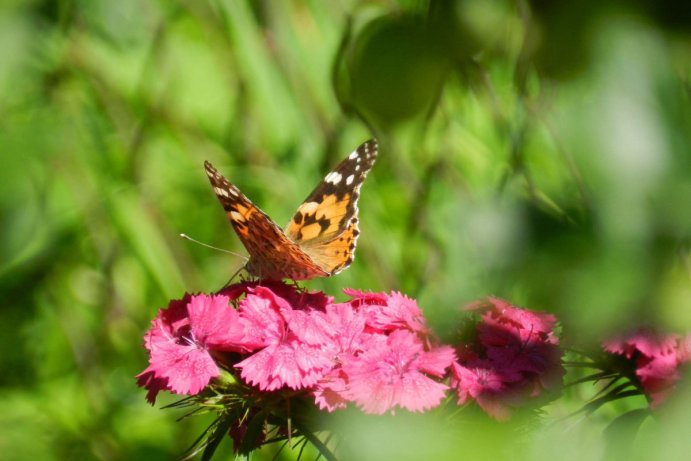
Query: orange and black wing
[[325, 226], [272, 254]]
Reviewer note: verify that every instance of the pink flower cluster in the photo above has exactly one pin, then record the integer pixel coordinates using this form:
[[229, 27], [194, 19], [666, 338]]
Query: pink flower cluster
[[374, 350], [656, 358], [514, 358]]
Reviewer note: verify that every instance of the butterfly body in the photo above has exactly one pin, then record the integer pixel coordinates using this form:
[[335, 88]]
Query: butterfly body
[[320, 239]]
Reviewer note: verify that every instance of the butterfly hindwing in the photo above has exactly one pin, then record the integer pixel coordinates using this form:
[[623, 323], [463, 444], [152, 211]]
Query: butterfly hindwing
[[326, 224], [338, 253]]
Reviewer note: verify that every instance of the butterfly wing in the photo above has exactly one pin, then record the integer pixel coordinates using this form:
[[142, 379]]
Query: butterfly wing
[[325, 226], [272, 254]]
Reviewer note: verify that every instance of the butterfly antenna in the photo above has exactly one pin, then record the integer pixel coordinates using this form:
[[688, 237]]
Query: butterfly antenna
[[187, 237]]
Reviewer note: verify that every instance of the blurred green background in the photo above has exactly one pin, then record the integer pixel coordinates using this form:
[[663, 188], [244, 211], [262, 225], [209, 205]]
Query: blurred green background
[[538, 151]]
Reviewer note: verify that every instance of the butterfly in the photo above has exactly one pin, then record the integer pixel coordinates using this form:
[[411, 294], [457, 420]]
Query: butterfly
[[320, 239]]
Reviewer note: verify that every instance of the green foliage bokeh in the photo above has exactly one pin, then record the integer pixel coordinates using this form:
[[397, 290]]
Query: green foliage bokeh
[[538, 152]]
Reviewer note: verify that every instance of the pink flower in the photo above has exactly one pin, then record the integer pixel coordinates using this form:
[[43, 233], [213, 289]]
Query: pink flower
[[374, 350], [148, 380], [480, 381], [656, 358], [515, 357], [293, 343], [348, 327], [395, 371], [513, 324], [365, 297], [294, 295], [389, 312], [383, 357], [330, 392], [180, 342], [349, 339]]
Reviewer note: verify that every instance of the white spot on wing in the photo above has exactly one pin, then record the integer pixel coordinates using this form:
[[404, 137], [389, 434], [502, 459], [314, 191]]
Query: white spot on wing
[[334, 177], [353, 155], [237, 216], [309, 207], [220, 191], [349, 179]]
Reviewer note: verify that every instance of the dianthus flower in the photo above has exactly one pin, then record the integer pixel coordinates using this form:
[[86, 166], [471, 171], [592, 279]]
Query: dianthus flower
[[181, 341], [513, 359], [385, 358], [656, 358]]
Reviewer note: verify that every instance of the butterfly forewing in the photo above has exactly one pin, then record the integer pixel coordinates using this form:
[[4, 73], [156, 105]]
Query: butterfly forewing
[[326, 224], [329, 208], [272, 254]]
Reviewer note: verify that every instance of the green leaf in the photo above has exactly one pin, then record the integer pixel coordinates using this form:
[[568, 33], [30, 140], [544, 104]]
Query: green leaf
[[255, 430], [621, 432], [220, 431]]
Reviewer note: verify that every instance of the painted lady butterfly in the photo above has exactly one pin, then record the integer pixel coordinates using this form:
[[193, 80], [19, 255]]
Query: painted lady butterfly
[[319, 241]]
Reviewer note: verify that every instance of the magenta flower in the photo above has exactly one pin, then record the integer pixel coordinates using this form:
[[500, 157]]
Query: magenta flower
[[656, 357], [181, 340], [482, 382], [329, 393], [383, 358], [374, 351], [293, 341], [348, 328], [504, 325], [514, 358], [293, 294], [395, 371], [349, 340], [389, 312]]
